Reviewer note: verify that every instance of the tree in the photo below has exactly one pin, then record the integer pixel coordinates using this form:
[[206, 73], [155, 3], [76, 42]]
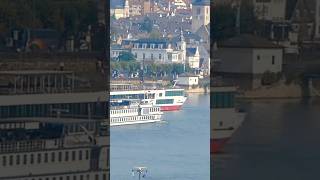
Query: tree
[[147, 25], [224, 22], [126, 56], [155, 34], [248, 21]]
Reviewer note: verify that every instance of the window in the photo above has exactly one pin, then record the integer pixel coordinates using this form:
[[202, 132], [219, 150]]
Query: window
[[18, 159], [31, 158], [52, 156], [273, 60], [73, 155], [152, 56], [11, 160], [164, 101], [39, 158], [198, 11], [143, 56], [66, 157], [25, 159], [45, 157], [4, 160], [159, 56], [87, 154], [258, 57], [222, 100], [60, 156], [174, 93]]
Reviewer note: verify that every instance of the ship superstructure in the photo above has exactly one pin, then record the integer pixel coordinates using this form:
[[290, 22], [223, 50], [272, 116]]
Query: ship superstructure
[[50, 129]]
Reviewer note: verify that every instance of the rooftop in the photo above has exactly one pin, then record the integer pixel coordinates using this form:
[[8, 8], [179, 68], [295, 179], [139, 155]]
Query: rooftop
[[201, 2], [247, 41]]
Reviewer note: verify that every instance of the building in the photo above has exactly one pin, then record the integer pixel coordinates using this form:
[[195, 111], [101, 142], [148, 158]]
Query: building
[[158, 50], [200, 14], [317, 19], [188, 80], [116, 50], [193, 57], [270, 10], [248, 54], [147, 6], [119, 9]]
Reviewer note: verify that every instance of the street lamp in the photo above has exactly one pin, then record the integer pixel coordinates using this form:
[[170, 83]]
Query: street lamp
[[141, 171]]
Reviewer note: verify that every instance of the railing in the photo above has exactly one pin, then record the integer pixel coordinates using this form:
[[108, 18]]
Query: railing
[[18, 146]]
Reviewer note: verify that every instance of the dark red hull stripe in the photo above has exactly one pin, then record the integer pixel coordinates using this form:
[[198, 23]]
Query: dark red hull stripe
[[217, 144], [170, 108]]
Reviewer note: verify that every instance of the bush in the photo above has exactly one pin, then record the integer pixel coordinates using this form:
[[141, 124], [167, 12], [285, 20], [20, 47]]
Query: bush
[[269, 78]]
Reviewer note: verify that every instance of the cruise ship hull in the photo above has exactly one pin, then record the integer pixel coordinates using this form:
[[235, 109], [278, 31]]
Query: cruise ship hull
[[225, 123], [217, 144], [135, 122]]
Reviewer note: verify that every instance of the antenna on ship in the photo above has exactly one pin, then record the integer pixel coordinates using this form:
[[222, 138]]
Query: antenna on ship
[[141, 171]]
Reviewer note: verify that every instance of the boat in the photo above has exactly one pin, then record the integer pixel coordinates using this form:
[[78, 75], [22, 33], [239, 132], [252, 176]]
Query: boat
[[134, 112], [50, 129], [170, 99], [225, 117]]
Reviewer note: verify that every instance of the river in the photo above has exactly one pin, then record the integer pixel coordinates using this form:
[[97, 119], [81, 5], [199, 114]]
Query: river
[[176, 149], [278, 140]]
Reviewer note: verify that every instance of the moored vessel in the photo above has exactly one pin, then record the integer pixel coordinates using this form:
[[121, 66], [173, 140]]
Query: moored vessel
[[134, 113], [168, 99], [225, 117]]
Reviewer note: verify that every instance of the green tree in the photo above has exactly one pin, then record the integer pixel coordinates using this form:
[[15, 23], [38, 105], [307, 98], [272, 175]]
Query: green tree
[[224, 22], [155, 34], [126, 56], [147, 25]]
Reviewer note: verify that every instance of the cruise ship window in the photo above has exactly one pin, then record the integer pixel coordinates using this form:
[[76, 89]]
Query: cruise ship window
[[39, 158], [73, 155], [66, 157], [25, 159], [87, 154], [45, 157], [18, 159], [11, 160], [31, 158], [53, 157], [60, 156], [4, 160], [80, 155]]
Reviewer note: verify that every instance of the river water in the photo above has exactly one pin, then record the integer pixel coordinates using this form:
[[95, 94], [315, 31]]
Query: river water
[[279, 140], [177, 149]]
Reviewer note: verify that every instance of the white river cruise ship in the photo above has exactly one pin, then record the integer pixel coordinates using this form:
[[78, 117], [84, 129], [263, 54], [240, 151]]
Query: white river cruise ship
[[168, 99], [134, 113], [51, 131]]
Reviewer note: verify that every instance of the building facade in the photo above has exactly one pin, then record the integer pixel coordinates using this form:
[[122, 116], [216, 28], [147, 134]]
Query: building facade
[[200, 14], [270, 10]]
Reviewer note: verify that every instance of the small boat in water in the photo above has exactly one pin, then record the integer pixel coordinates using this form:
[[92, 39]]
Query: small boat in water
[[225, 117], [134, 113]]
